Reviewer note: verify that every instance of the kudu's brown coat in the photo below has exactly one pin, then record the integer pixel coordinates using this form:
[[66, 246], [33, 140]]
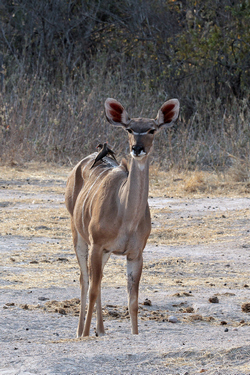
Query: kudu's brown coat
[[109, 210]]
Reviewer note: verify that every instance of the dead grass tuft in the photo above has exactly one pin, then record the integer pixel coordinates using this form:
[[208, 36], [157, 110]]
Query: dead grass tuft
[[195, 183], [175, 183], [240, 170]]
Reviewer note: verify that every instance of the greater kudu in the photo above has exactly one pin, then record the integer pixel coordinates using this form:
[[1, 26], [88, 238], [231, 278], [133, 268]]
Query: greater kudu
[[109, 210]]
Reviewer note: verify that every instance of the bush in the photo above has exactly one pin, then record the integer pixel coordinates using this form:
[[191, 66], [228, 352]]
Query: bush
[[61, 60]]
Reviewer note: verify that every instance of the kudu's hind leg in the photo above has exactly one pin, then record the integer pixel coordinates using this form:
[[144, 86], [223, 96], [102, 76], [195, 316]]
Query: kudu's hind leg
[[95, 273], [81, 249], [99, 318], [134, 270]]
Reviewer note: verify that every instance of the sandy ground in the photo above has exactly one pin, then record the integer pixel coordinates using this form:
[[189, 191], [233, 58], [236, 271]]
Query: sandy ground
[[196, 270]]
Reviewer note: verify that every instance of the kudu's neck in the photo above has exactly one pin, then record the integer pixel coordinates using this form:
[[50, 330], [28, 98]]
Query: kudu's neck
[[134, 196]]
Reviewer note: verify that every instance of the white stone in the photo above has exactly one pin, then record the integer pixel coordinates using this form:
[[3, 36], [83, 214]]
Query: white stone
[[172, 319]]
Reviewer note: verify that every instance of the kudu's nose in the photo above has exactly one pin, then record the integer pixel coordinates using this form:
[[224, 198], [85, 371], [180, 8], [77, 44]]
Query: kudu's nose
[[138, 149]]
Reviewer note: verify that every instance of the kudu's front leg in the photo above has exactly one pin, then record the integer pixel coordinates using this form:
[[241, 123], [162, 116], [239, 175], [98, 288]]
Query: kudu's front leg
[[134, 270]]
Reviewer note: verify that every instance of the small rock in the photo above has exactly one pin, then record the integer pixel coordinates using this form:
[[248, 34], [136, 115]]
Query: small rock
[[214, 299], [147, 302], [24, 306], [62, 311], [43, 298], [226, 330], [172, 319], [188, 310], [246, 286], [223, 323], [245, 307], [62, 259], [42, 227], [114, 313]]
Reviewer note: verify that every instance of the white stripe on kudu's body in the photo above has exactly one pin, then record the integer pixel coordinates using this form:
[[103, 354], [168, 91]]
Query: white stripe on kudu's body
[[109, 210]]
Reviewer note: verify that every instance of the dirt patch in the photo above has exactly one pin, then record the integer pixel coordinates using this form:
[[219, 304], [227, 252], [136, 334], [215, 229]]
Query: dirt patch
[[198, 253]]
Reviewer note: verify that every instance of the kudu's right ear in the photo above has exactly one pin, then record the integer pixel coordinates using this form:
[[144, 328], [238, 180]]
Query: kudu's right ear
[[115, 113]]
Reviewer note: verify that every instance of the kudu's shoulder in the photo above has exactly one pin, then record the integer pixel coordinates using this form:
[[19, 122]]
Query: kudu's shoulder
[[82, 174]]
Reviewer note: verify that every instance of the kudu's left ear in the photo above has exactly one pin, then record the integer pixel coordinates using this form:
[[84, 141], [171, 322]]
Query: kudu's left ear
[[115, 113], [168, 113]]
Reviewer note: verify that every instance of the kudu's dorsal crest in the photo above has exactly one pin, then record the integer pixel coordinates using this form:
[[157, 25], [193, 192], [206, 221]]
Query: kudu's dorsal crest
[[141, 130]]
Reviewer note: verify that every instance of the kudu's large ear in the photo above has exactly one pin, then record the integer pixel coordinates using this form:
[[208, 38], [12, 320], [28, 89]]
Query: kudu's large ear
[[168, 113], [115, 113]]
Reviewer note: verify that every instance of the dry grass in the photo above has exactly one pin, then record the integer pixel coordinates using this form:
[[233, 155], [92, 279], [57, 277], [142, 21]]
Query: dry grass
[[240, 170], [233, 361], [35, 227], [176, 183], [191, 230], [31, 215], [41, 122], [162, 183]]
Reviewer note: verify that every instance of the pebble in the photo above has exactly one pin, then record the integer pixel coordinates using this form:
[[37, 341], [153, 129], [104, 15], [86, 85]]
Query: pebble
[[245, 307], [147, 302], [214, 299], [60, 259], [43, 298], [172, 319], [62, 311]]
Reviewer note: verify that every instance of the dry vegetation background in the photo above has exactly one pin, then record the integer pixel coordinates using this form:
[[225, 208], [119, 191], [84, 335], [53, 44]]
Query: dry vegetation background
[[60, 60]]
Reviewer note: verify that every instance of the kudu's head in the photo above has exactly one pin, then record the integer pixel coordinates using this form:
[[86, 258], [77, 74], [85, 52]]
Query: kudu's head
[[141, 131]]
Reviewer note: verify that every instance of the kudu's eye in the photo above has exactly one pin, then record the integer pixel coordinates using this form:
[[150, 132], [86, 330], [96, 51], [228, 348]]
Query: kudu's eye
[[152, 131], [129, 131]]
